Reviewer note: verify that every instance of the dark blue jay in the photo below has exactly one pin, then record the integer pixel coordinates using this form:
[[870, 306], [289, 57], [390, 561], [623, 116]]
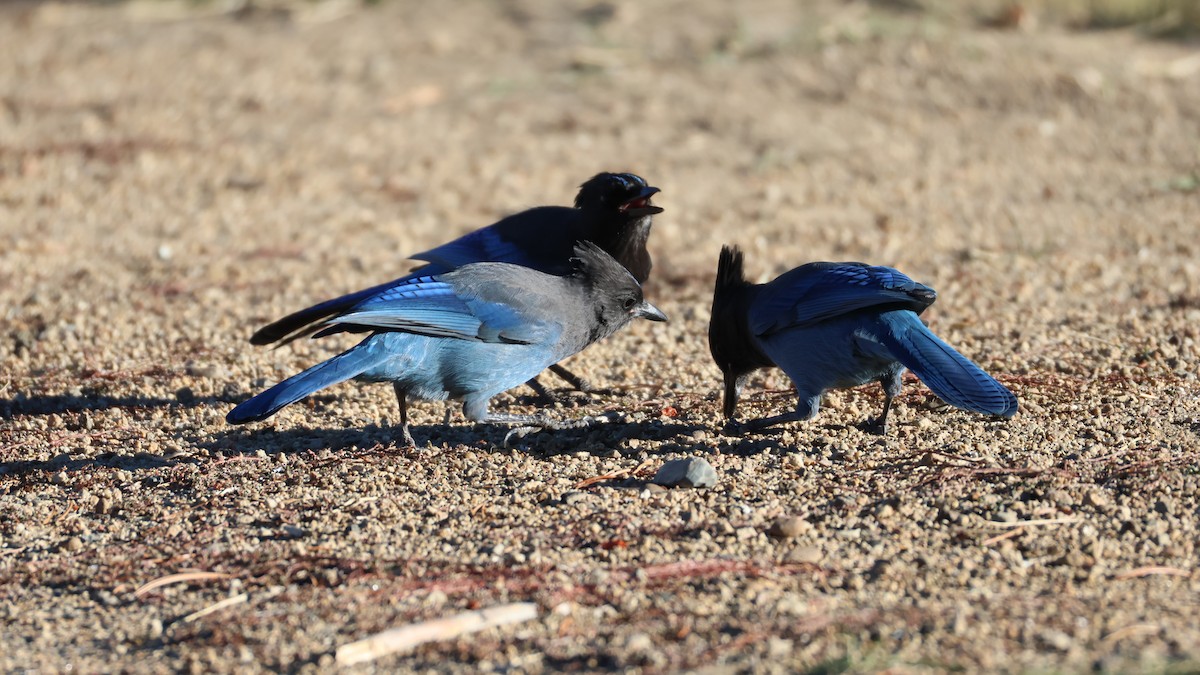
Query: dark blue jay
[[470, 334], [613, 210], [837, 325]]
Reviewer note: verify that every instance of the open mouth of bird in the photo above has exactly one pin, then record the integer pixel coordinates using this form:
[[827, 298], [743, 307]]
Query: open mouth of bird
[[640, 206], [640, 202]]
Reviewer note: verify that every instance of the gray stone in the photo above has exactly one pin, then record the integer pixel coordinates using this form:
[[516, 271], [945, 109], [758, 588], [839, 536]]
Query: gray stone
[[689, 472]]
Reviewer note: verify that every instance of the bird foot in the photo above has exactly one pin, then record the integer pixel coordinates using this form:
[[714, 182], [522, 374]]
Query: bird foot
[[874, 425], [406, 437], [735, 427], [534, 423], [519, 432]]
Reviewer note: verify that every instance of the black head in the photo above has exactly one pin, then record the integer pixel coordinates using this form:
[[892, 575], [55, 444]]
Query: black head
[[623, 193], [729, 338], [618, 296]]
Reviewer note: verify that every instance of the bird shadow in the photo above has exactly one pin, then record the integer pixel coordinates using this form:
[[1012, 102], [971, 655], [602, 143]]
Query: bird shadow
[[141, 461], [67, 403], [545, 442]]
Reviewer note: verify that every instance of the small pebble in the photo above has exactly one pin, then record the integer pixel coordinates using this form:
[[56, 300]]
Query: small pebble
[[788, 527], [690, 472], [805, 554]]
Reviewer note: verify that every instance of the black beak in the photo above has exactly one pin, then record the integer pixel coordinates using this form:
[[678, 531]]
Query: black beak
[[648, 311], [733, 390], [640, 205]]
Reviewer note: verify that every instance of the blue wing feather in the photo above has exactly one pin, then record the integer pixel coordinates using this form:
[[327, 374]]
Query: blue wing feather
[[540, 238], [819, 292], [428, 306]]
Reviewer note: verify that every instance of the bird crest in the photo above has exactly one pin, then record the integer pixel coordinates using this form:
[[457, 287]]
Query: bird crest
[[594, 264], [730, 269]]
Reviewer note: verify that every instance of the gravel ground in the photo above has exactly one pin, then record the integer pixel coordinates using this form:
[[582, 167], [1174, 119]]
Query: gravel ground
[[174, 175]]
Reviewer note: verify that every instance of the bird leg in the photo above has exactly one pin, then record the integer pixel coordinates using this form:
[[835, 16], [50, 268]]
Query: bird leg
[[806, 409], [891, 384], [403, 399], [879, 424], [572, 379], [576, 382], [754, 426], [541, 391]]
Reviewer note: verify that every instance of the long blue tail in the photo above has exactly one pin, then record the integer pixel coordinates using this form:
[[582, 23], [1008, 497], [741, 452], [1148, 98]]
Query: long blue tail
[[340, 368], [952, 376]]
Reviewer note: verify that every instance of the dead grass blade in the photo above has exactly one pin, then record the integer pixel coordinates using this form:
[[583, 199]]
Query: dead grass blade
[[612, 475], [1152, 570], [1131, 630], [216, 607], [178, 578], [406, 637], [1034, 523], [1001, 537]]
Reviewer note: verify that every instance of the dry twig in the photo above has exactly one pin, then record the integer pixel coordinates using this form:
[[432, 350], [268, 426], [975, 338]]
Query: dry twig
[[406, 637], [179, 577], [1153, 570], [1034, 522], [612, 475], [216, 607]]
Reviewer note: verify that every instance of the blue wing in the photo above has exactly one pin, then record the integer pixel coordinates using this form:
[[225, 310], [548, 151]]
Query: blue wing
[[541, 238], [819, 292], [427, 306]]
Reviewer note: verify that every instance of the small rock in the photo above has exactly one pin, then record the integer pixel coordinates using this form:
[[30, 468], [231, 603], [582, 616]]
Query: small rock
[[1095, 499], [59, 478], [778, 647], [690, 472], [73, 544], [573, 496], [788, 527], [1056, 639], [292, 531], [1007, 516], [639, 643], [805, 554]]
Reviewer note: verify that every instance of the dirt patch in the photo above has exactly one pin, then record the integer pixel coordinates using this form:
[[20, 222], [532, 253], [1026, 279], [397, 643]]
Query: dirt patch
[[170, 179]]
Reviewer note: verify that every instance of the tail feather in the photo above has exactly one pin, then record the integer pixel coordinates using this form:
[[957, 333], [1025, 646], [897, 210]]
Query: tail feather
[[952, 376], [340, 368]]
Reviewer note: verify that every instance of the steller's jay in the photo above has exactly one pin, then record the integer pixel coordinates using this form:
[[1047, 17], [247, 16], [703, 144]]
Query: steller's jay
[[470, 334], [837, 325], [613, 210]]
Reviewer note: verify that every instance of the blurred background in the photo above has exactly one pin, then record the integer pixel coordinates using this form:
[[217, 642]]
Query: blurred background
[[175, 174]]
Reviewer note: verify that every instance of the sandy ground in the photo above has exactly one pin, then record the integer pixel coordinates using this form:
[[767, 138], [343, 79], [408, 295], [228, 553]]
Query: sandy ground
[[173, 176]]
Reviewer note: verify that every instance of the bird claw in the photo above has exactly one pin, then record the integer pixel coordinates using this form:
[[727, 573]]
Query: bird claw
[[875, 426], [519, 432], [541, 423], [407, 438], [735, 427]]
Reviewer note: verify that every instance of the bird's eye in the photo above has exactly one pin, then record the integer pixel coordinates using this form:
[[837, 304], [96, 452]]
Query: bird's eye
[[629, 303]]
